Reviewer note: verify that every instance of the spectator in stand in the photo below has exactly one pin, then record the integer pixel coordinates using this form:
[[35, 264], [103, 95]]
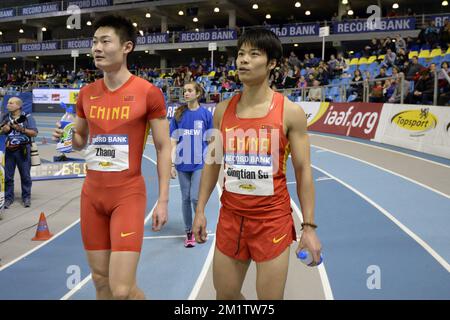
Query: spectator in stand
[[367, 75], [400, 43], [332, 66], [382, 74], [310, 80], [389, 88], [341, 65], [413, 69], [302, 82], [356, 88], [306, 61], [314, 62], [423, 89], [432, 34], [445, 35], [375, 47], [315, 93], [376, 95], [401, 58], [293, 60], [389, 59], [444, 88], [388, 44], [322, 76], [396, 96]]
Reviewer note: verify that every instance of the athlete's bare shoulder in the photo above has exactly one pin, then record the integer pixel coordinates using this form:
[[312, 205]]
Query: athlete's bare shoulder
[[294, 116], [219, 111]]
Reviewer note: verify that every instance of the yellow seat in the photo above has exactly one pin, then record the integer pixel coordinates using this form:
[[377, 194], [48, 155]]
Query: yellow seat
[[413, 54], [362, 60], [435, 53], [212, 74], [448, 51], [424, 54], [354, 61], [381, 57], [371, 59]]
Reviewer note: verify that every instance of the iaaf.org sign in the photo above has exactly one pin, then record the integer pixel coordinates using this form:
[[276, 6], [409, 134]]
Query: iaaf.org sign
[[357, 120]]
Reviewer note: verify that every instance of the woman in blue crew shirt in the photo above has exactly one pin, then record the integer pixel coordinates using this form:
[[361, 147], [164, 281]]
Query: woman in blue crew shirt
[[188, 131]]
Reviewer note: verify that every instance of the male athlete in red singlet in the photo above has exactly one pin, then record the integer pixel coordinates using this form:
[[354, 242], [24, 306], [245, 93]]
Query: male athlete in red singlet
[[114, 115], [259, 129]]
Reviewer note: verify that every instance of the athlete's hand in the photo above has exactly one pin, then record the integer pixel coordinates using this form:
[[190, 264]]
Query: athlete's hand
[[310, 241], [173, 173], [199, 228], [160, 216], [57, 132]]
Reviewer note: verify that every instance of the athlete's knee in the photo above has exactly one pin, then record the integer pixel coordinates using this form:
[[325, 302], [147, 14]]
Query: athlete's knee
[[100, 281], [121, 292], [227, 292], [229, 295]]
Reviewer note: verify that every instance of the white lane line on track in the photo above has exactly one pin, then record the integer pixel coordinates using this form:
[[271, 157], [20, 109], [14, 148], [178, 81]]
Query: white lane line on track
[[387, 170], [39, 246], [321, 268], [384, 149], [209, 258], [410, 233]]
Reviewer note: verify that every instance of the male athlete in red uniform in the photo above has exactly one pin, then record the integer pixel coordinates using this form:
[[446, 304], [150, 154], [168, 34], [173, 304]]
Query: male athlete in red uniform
[[114, 115], [259, 129]]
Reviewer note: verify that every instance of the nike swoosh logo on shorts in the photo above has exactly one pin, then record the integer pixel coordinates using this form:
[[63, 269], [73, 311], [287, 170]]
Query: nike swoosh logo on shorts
[[275, 240], [123, 235]]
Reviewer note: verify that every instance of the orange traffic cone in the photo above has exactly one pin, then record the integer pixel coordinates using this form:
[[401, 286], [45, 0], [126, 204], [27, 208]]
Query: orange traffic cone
[[42, 232]]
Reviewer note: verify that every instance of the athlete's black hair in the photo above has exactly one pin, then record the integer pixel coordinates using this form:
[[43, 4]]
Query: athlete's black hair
[[121, 25], [264, 40]]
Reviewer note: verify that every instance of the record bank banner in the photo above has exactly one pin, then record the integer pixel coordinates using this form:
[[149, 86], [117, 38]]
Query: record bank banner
[[208, 35], [40, 46], [296, 30], [7, 13], [385, 25], [40, 8]]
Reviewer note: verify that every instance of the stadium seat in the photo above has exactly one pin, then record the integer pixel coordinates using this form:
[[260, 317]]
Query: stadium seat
[[212, 74], [435, 53], [381, 57], [413, 54], [424, 54], [438, 59], [372, 59], [362, 60], [354, 61]]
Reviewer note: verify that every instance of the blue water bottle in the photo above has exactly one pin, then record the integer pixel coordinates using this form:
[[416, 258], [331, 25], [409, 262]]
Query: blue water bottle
[[306, 257]]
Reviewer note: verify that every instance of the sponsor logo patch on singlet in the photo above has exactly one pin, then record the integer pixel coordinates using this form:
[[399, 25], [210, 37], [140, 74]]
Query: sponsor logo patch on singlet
[[108, 152], [248, 165]]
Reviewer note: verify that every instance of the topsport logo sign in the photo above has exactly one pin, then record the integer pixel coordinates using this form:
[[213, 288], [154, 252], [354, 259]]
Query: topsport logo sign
[[418, 122]]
